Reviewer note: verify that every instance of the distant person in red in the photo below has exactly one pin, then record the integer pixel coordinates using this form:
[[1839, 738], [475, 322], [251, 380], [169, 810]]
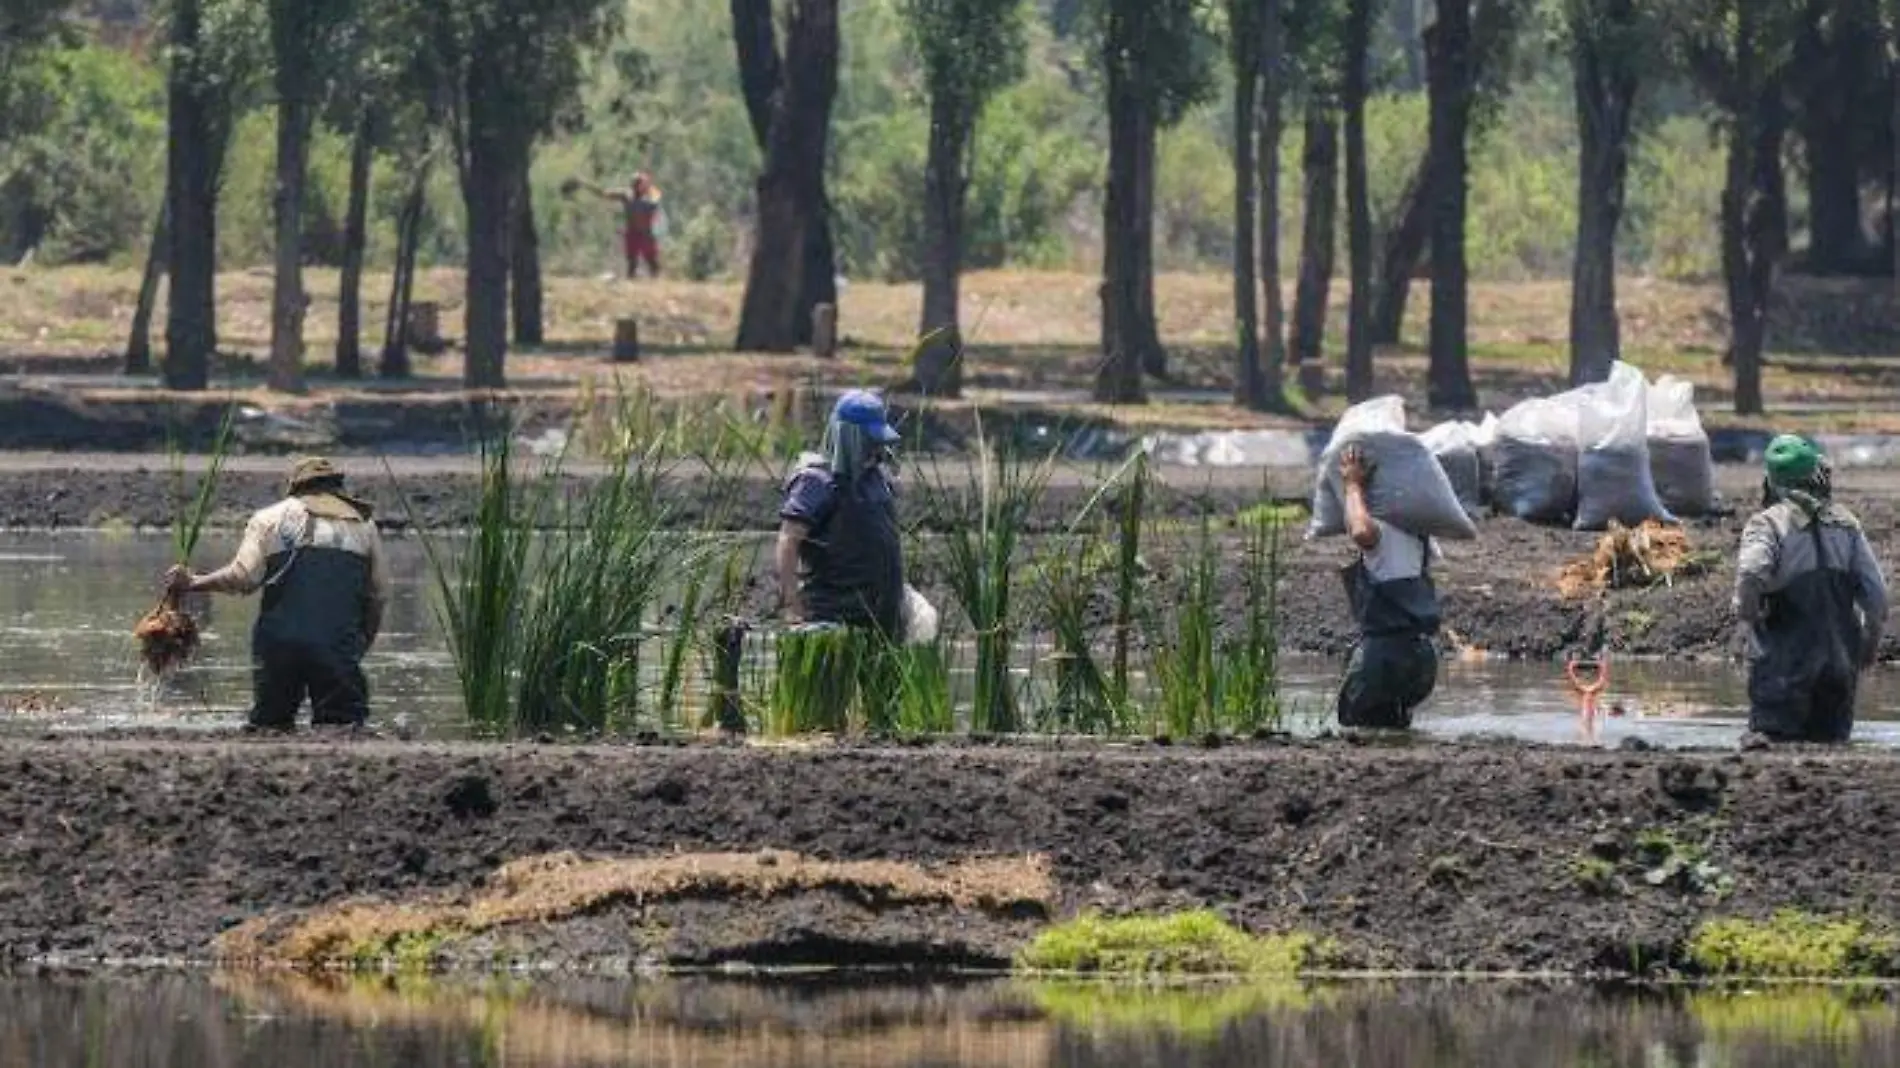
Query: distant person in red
[[645, 222]]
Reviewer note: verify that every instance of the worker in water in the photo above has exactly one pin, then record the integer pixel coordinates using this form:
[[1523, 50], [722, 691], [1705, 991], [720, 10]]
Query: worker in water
[[840, 558], [1814, 600], [318, 560], [1394, 666], [644, 221]]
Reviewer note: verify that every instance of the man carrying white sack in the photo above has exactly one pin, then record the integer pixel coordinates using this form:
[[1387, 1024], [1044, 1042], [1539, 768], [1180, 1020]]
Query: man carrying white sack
[[1394, 666]]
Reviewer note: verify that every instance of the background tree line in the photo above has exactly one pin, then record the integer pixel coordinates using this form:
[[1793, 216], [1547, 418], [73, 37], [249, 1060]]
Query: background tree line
[[802, 139]]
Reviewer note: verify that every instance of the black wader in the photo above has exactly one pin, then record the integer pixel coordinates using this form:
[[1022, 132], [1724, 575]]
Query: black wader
[[1802, 681], [309, 639], [1394, 666], [854, 560]]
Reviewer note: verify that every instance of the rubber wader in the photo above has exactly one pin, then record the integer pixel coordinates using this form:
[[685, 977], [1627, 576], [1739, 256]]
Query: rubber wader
[[1802, 681], [309, 638], [1394, 665]]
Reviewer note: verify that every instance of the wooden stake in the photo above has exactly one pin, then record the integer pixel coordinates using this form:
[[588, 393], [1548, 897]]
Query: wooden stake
[[626, 340]]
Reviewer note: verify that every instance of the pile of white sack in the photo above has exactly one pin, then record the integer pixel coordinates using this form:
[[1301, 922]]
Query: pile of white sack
[[1622, 450]]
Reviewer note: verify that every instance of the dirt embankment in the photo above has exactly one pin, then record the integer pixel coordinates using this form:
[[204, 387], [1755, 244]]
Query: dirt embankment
[[1427, 856]]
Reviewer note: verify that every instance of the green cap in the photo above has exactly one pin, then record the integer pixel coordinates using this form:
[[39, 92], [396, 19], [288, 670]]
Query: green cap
[[1792, 460]]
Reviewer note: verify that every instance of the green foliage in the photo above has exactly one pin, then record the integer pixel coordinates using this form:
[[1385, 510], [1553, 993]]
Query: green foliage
[[1791, 944], [1177, 944], [969, 49], [1191, 1011]]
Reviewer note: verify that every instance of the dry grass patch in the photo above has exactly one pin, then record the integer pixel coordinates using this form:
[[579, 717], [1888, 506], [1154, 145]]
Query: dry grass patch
[[1631, 557], [562, 885]]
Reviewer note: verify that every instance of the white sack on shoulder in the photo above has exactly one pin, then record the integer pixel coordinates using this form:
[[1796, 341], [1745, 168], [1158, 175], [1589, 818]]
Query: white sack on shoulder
[[1409, 489]]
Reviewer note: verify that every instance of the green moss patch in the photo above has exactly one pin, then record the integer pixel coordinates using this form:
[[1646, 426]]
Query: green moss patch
[[1177, 944], [1792, 945]]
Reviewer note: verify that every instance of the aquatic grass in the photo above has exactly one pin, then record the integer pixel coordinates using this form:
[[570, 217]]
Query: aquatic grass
[[1181, 944], [922, 699], [168, 636], [817, 672], [1250, 696], [191, 512], [985, 516], [1793, 945], [1132, 515], [482, 581]]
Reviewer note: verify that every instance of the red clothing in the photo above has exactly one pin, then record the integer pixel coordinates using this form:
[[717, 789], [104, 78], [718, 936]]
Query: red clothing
[[641, 244]]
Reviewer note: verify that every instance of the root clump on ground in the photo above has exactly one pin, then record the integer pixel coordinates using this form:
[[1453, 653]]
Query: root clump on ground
[[1631, 557]]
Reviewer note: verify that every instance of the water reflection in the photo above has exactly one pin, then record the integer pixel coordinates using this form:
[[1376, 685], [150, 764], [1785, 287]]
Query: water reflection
[[296, 1022], [68, 600]]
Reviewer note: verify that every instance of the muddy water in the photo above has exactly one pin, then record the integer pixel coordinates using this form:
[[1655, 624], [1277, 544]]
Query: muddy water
[[67, 602], [288, 1022]]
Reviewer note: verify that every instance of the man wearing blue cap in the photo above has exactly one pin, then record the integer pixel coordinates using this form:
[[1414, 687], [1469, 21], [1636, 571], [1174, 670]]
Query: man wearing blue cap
[[1811, 593], [840, 558]]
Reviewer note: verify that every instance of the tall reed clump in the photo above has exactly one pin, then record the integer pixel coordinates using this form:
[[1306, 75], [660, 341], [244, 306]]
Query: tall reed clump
[[167, 636], [1088, 699], [819, 668], [985, 516], [1211, 670], [548, 625], [1131, 516], [483, 581]]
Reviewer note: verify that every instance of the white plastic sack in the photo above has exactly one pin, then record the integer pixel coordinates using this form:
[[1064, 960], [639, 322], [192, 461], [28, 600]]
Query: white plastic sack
[[1457, 447], [1680, 460], [1409, 488], [1613, 480], [919, 618], [1534, 459]]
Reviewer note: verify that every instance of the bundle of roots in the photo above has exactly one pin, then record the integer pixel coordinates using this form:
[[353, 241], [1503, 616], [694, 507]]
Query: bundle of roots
[[1630, 557], [167, 637]]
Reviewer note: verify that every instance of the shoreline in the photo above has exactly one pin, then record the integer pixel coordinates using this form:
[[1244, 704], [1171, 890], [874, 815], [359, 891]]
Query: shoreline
[[1437, 858]]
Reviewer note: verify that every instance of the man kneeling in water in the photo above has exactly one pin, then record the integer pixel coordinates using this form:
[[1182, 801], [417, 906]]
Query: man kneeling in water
[[1394, 666]]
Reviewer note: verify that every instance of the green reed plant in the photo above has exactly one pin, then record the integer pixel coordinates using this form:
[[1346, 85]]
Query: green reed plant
[[1184, 661], [1086, 698], [921, 671], [985, 516], [817, 673], [1131, 517], [1251, 692], [190, 512]]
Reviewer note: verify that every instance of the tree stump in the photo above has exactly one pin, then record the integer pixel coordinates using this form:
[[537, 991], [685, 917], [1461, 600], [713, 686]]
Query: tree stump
[[423, 327], [626, 340], [824, 331]]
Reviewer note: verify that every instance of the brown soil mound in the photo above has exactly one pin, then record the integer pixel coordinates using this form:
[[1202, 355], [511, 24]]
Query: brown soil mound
[[564, 886], [1630, 558], [1424, 856]]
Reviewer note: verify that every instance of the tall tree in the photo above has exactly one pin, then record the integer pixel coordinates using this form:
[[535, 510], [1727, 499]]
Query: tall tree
[[1319, 163], [1608, 50], [1838, 75], [213, 50], [1496, 28], [1272, 125], [524, 265], [1156, 55], [1448, 50], [969, 49], [1738, 52], [349, 318], [1359, 14], [788, 100], [508, 68], [1244, 41], [303, 37]]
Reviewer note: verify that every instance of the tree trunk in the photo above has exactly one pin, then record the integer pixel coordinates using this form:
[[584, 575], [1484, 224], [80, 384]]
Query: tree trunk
[[1893, 134], [939, 370], [1249, 384], [1605, 84], [1449, 387], [791, 192], [487, 195], [1830, 60], [138, 346], [395, 355], [192, 195], [1154, 358], [1358, 203], [1754, 209], [524, 263], [1400, 253], [1119, 380], [349, 314], [1272, 127], [1320, 163], [287, 296]]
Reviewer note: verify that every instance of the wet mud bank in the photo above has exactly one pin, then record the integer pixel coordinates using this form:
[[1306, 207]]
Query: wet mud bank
[[1427, 857]]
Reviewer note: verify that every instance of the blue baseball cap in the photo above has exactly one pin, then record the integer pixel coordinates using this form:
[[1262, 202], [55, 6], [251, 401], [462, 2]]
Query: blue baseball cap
[[863, 409]]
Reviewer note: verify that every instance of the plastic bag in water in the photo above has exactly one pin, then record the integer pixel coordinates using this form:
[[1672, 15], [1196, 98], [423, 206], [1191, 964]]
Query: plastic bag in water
[[1613, 480], [1534, 460], [1409, 489], [1680, 460]]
